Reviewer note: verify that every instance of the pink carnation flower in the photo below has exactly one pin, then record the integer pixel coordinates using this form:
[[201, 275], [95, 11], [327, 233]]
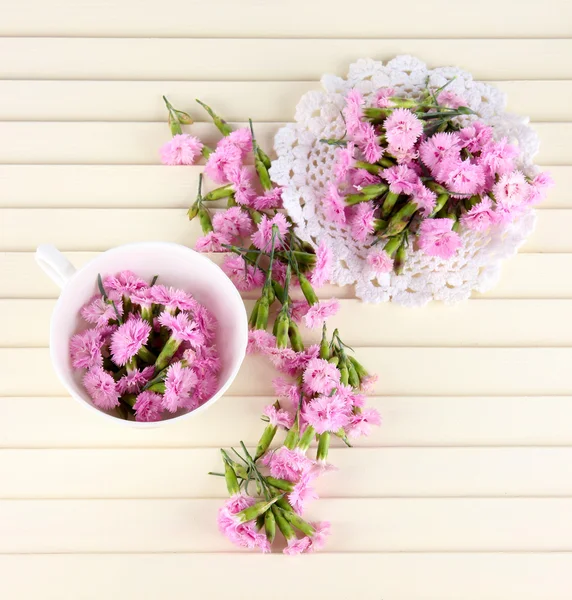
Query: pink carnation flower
[[328, 412], [259, 340], [179, 385], [241, 534], [287, 464], [481, 216], [181, 149], [262, 237], [173, 298], [360, 423], [134, 381], [99, 312], [402, 129], [302, 494], [438, 148], [512, 190], [319, 312], [425, 200], [475, 136], [344, 162], [271, 199], [222, 162], [242, 180], [379, 261], [359, 178], [241, 138], [318, 540], [232, 223], [85, 349], [148, 407], [320, 376], [287, 390], [299, 309], [278, 416], [462, 177], [362, 221], [368, 142], [143, 298], [244, 276], [206, 360], [182, 328], [129, 339], [539, 186], [297, 546], [321, 272], [212, 242], [207, 386], [102, 388], [401, 179], [436, 238], [382, 97], [353, 111], [450, 99], [498, 157], [334, 205], [124, 283]]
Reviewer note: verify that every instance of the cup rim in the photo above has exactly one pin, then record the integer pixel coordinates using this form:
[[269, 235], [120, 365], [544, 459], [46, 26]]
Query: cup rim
[[243, 333]]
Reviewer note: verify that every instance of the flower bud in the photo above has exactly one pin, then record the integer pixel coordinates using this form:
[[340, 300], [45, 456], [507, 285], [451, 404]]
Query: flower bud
[[388, 204], [205, 219], [334, 360], [377, 113], [400, 219], [265, 440], [253, 314], [250, 513], [230, 477], [281, 484], [282, 322], [403, 102], [220, 192], [307, 290], [285, 528], [193, 211], [262, 313], [221, 124], [440, 203], [324, 345], [353, 377], [295, 337], [292, 437], [344, 374], [263, 174], [358, 367], [400, 258], [158, 387], [299, 523], [373, 169], [263, 157], [323, 446], [183, 117], [306, 438], [170, 347], [392, 245], [270, 525]]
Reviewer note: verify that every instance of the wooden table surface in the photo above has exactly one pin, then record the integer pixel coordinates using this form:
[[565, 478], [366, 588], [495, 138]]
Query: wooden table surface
[[464, 493]]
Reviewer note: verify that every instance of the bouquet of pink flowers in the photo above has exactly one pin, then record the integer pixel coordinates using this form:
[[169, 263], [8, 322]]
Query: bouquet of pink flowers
[[149, 351], [322, 394], [408, 173]]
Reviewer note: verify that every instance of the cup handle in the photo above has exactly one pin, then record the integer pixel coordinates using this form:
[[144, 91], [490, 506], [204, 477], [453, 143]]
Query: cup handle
[[58, 268]]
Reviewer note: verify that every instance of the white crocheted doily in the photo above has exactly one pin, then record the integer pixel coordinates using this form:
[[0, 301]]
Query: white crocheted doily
[[305, 165]]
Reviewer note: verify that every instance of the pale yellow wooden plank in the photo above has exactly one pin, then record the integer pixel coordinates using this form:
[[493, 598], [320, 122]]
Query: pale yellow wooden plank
[[237, 101], [77, 143], [524, 276], [260, 59], [146, 186], [472, 323], [358, 525], [386, 472], [296, 19], [469, 371], [399, 576], [53, 422], [22, 230]]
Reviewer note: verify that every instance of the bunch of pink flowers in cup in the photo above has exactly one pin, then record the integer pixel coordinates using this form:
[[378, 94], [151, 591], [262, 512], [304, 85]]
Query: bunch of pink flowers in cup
[[409, 175], [149, 351], [321, 395]]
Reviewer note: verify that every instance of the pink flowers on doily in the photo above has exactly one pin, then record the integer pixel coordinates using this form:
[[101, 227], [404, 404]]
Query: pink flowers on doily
[[137, 355]]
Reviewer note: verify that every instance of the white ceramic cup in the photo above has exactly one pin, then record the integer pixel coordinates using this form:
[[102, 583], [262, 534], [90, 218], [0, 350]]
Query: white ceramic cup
[[176, 266]]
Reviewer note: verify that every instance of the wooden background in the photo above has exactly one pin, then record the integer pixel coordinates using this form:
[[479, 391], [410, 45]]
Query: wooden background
[[464, 493]]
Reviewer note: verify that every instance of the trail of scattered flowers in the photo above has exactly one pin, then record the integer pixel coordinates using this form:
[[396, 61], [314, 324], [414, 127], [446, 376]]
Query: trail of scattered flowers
[[320, 393]]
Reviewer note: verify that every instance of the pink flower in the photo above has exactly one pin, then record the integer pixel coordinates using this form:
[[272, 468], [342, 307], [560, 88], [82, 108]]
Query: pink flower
[[206, 360], [382, 98], [242, 180], [401, 179], [287, 464], [101, 386], [436, 238], [539, 186], [320, 376], [360, 423], [302, 494], [182, 328], [179, 385], [297, 546], [172, 298], [225, 159], [212, 242], [207, 386], [132, 382], [498, 157], [85, 349], [129, 339], [318, 540], [148, 406], [278, 416], [462, 177], [368, 383], [328, 412], [241, 138], [450, 99], [362, 221], [425, 200], [124, 283], [353, 111], [232, 223], [181, 149], [380, 261], [322, 268], [319, 312], [206, 322], [259, 340], [287, 390], [334, 205], [360, 178], [367, 140], [440, 147], [284, 359], [344, 162], [474, 137], [262, 237], [512, 190], [481, 216], [241, 534], [244, 276], [99, 312], [271, 199], [143, 298], [402, 129]]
